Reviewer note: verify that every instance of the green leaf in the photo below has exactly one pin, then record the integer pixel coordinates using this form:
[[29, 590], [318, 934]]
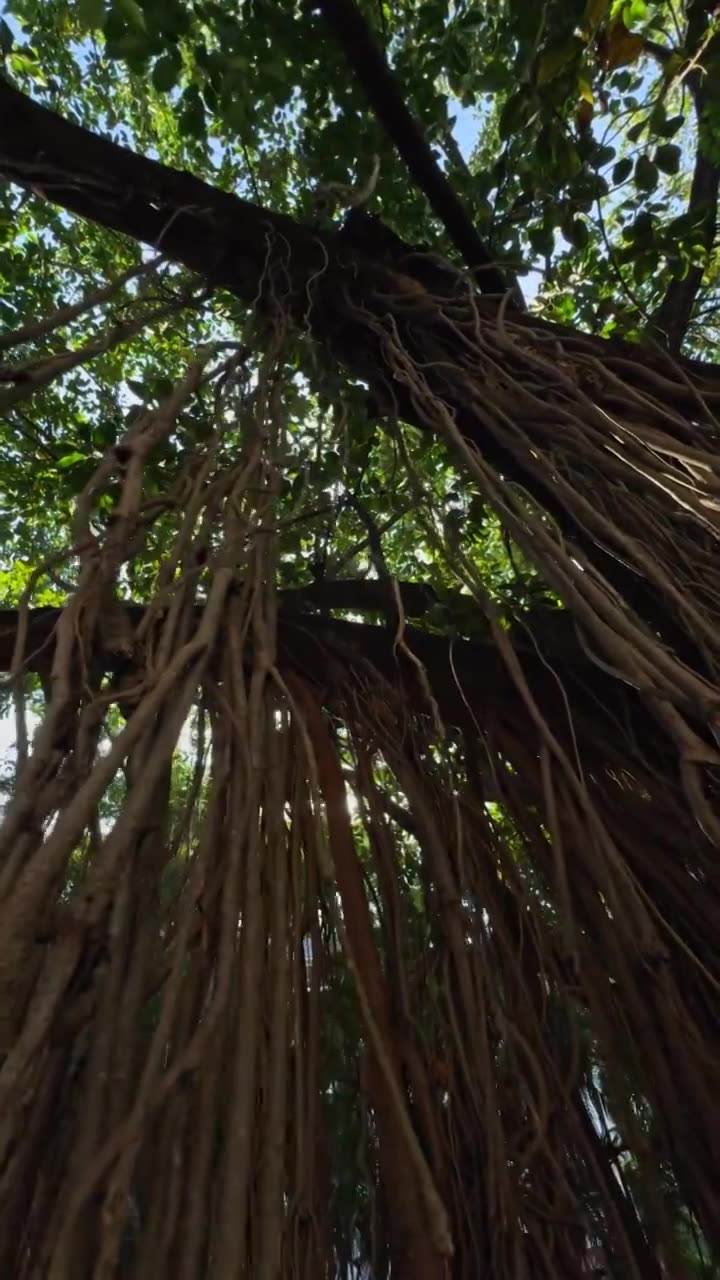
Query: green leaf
[[457, 56], [235, 113], [579, 233], [634, 11], [166, 72], [603, 156], [657, 117], [133, 46], [622, 170], [641, 231], [667, 157], [20, 64], [494, 77], [91, 14], [553, 61], [237, 62], [646, 174], [671, 126], [515, 113], [636, 130], [622, 81], [542, 240], [131, 12], [673, 65], [566, 156], [192, 118], [70, 460]]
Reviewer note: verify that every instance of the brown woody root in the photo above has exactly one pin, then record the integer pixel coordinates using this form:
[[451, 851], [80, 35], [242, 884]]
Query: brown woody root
[[500, 944]]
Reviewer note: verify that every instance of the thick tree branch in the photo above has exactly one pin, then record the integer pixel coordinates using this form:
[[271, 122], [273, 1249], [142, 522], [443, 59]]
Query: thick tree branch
[[209, 230], [383, 92], [248, 249], [699, 14], [361, 595], [469, 679], [222, 237]]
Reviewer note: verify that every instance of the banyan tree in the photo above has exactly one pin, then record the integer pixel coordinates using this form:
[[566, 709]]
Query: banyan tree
[[360, 629]]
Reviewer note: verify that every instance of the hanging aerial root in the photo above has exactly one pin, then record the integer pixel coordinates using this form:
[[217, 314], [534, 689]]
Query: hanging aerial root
[[607, 478], [305, 979], [611, 492]]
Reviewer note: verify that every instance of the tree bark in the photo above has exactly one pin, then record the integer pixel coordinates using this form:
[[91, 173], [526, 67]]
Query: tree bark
[[241, 246], [215, 233], [468, 677]]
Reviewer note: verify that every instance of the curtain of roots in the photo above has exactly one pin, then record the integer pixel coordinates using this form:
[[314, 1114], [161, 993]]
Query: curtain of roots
[[366, 989]]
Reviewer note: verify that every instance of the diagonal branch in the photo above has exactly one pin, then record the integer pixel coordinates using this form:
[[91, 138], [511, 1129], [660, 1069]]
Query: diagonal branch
[[249, 250], [220, 236], [383, 92], [209, 230], [699, 15], [673, 316]]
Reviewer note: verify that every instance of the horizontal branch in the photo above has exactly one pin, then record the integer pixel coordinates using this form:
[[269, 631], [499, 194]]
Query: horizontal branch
[[222, 237], [469, 678], [362, 595], [333, 288]]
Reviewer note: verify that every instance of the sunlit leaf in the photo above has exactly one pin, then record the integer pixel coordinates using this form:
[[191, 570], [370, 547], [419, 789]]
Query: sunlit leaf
[[70, 460], [22, 65], [585, 91]]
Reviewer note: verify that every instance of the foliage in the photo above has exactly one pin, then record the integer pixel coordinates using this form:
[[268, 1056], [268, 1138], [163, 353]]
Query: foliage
[[581, 167], [588, 120]]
